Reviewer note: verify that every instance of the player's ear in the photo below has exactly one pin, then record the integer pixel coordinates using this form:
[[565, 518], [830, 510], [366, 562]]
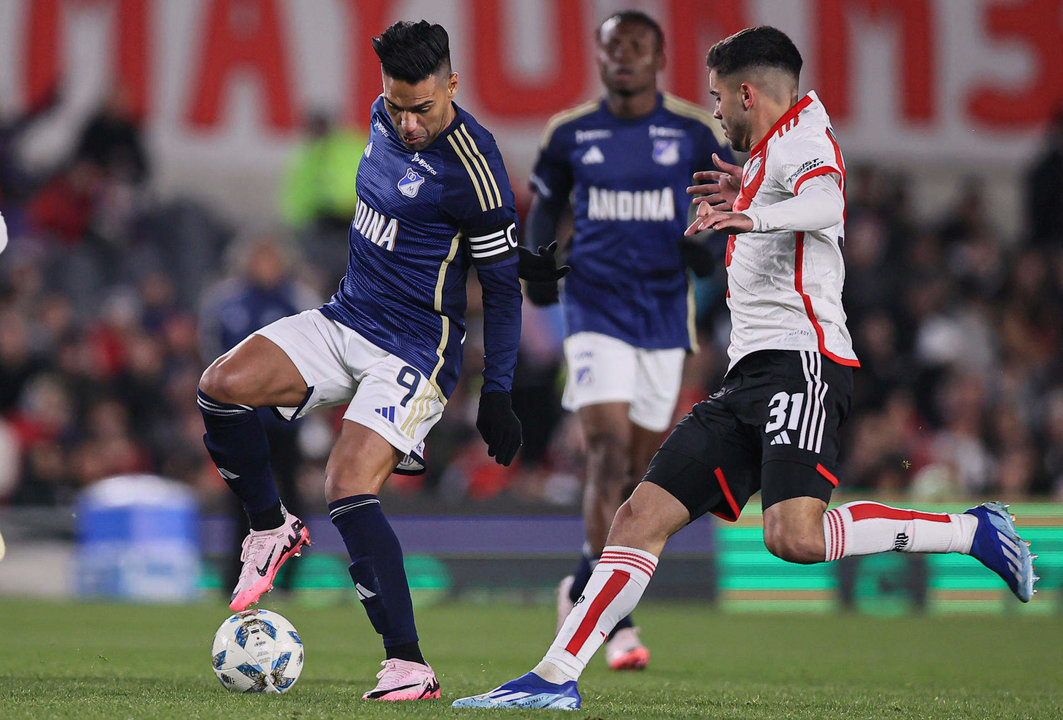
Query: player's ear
[[746, 93], [452, 85]]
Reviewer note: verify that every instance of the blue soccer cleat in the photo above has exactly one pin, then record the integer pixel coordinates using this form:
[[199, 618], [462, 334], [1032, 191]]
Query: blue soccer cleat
[[527, 692], [998, 546]]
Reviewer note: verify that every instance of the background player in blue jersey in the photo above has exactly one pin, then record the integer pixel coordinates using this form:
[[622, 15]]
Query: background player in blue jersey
[[623, 164], [433, 200]]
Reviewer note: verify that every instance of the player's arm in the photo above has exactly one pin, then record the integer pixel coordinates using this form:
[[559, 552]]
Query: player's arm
[[484, 208], [551, 182], [818, 204], [500, 281], [538, 262]]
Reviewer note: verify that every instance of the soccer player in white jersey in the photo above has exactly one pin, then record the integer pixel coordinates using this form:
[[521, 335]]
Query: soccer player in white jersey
[[773, 425]]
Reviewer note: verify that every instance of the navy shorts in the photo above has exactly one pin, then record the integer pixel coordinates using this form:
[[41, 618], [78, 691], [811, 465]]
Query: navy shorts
[[772, 426]]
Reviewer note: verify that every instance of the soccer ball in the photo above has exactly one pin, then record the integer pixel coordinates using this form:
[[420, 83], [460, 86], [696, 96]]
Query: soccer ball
[[257, 651]]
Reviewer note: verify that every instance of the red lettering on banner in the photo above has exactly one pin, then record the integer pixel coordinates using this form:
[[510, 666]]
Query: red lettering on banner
[[363, 66], [695, 27], [134, 54], [1036, 24], [242, 35], [507, 96], [918, 56], [44, 33]]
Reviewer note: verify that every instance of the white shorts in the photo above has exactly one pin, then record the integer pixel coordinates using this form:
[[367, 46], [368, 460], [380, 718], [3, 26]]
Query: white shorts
[[384, 392], [602, 369]]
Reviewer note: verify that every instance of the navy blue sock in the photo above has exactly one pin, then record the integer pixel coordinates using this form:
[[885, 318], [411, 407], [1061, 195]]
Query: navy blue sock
[[582, 575], [579, 582], [376, 568], [236, 441]]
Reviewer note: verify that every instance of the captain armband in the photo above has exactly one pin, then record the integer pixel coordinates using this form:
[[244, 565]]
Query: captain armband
[[491, 246]]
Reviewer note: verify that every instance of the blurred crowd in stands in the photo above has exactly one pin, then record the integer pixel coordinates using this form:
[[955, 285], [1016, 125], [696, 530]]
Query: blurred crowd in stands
[[112, 302]]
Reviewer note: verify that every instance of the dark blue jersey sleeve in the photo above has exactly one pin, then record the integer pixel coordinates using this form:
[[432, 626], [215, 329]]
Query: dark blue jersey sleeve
[[482, 201], [552, 176], [502, 299]]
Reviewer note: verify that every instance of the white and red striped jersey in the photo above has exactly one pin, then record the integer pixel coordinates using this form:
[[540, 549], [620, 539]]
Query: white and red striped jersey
[[784, 288]]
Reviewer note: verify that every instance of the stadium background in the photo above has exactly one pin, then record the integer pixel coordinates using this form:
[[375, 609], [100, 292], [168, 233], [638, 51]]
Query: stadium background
[[129, 223]]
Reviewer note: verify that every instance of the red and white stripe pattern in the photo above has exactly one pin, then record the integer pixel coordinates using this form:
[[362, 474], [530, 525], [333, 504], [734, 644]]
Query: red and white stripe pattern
[[614, 589], [865, 528], [834, 534]]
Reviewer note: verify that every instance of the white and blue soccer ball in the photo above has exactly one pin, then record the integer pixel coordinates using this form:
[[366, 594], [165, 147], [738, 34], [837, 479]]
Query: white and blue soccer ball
[[257, 651]]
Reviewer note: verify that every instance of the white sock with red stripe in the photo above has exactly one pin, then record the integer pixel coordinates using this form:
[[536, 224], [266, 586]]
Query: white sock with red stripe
[[615, 588], [865, 528]]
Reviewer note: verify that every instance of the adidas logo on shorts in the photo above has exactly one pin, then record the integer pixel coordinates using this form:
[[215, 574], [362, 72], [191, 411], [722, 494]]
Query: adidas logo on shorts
[[388, 413]]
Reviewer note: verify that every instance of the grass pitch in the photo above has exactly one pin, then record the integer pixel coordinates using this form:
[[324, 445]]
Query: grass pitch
[[125, 661]]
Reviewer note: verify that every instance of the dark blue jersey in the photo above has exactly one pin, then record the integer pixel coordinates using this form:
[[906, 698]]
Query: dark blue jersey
[[626, 180], [423, 218]]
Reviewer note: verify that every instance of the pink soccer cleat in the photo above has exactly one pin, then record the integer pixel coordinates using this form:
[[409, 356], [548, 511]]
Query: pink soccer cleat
[[626, 652], [264, 551], [404, 680]]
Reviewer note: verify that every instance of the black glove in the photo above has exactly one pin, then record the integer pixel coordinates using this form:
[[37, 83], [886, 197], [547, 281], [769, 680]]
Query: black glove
[[499, 427], [697, 257], [540, 274]]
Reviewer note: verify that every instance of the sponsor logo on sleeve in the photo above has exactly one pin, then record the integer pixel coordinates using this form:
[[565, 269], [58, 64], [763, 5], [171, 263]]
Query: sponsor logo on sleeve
[[805, 167]]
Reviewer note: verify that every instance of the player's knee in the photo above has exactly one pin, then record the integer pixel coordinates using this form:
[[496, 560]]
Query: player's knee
[[793, 547], [636, 525], [608, 450], [219, 383]]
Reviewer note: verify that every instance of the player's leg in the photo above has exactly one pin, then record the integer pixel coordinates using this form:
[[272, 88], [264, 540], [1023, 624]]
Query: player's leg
[[642, 526], [256, 373], [657, 380], [263, 370], [390, 414], [600, 387], [798, 478], [708, 464]]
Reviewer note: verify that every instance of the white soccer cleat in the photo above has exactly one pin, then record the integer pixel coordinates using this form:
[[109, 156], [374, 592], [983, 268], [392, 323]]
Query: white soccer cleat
[[264, 551], [564, 602], [404, 680], [624, 651]]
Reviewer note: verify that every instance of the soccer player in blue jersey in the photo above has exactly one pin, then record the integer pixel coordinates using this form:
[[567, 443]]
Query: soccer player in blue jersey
[[433, 200], [623, 164]]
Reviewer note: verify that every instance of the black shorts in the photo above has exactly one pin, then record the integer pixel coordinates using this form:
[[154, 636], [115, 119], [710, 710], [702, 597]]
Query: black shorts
[[772, 426]]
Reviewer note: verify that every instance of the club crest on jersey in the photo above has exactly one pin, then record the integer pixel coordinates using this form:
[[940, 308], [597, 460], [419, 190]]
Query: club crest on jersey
[[666, 152], [754, 168], [411, 183]]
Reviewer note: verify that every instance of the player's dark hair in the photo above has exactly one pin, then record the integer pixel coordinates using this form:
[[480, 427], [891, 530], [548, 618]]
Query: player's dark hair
[[636, 16], [410, 51], [761, 46]]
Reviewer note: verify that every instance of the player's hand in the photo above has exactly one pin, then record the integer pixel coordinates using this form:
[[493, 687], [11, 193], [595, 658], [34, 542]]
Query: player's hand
[[499, 427], [709, 218], [541, 274], [697, 257], [719, 188]]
